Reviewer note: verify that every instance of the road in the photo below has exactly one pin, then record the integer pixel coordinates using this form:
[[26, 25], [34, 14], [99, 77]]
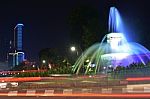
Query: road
[[75, 88]]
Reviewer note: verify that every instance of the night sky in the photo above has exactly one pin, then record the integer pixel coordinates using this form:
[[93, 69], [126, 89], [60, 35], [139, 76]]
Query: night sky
[[46, 24]]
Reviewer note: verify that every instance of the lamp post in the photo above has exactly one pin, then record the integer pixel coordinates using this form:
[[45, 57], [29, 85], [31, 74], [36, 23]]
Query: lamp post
[[43, 63], [73, 49]]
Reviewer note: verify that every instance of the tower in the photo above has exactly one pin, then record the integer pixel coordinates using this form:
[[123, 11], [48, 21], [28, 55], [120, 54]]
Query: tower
[[16, 56], [18, 37]]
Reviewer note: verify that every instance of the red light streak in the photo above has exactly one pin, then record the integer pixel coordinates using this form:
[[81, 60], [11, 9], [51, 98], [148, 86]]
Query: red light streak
[[138, 79], [20, 79], [82, 95]]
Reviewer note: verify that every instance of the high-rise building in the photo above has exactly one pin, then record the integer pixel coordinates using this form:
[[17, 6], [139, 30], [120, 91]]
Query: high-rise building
[[16, 56]]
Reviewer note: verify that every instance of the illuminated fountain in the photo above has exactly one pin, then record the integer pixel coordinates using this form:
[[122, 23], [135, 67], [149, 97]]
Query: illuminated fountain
[[114, 50]]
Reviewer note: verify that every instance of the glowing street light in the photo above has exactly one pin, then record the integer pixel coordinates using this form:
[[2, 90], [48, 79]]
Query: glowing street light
[[44, 61], [44, 64], [73, 48]]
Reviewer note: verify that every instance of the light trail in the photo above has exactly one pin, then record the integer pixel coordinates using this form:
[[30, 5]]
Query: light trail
[[82, 95], [19, 79], [138, 79]]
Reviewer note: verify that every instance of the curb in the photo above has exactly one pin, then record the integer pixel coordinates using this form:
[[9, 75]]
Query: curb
[[52, 92]]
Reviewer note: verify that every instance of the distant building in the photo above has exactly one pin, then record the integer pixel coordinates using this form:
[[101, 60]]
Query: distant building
[[16, 54]]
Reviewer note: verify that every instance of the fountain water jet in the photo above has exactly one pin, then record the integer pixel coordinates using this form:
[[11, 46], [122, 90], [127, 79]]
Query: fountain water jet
[[114, 50], [115, 23]]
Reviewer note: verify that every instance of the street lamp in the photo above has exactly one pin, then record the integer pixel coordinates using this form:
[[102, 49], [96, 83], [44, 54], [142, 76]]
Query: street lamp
[[43, 61], [73, 49]]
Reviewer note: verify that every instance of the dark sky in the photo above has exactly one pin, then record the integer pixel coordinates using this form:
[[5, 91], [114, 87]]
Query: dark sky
[[45, 22]]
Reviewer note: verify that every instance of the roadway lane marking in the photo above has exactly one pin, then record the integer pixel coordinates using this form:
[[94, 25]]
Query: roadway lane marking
[[106, 90], [67, 91], [12, 93], [147, 89], [86, 90], [135, 90], [125, 90], [30, 92], [138, 85], [48, 92]]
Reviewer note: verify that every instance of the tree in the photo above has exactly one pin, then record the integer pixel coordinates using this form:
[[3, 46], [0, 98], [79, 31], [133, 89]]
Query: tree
[[50, 56], [84, 26]]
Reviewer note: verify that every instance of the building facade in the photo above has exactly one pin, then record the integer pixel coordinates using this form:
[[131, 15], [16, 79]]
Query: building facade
[[16, 54]]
